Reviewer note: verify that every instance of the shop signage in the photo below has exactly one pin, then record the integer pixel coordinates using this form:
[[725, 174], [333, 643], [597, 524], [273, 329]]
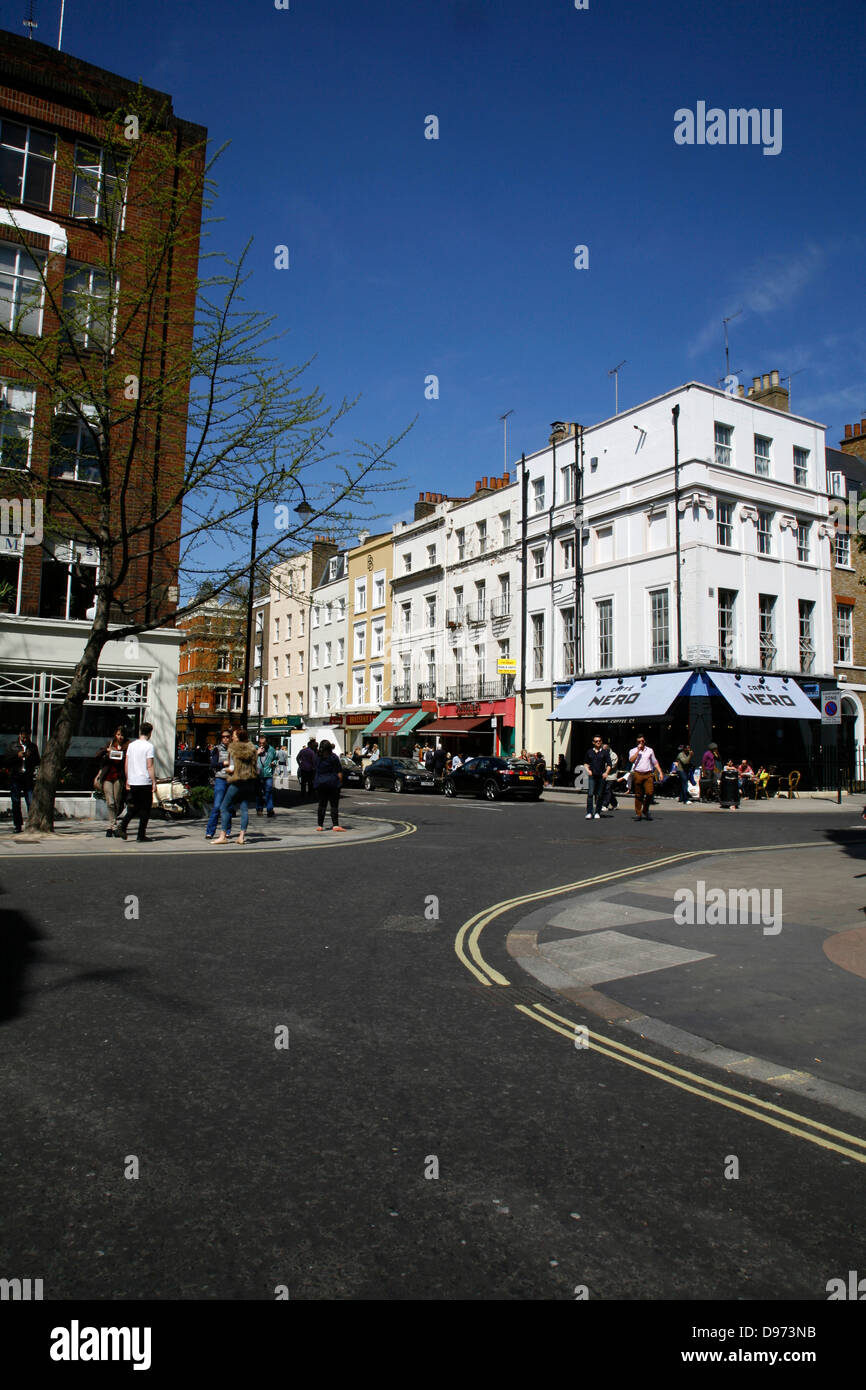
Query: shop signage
[[355, 719], [812, 689], [469, 710], [506, 666], [284, 721]]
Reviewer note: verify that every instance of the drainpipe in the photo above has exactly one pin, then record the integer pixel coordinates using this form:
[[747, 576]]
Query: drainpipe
[[524, 487], [675, 413]]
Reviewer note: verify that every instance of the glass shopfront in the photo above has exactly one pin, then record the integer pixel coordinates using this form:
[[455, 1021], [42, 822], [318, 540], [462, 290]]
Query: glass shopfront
[[33, 700]]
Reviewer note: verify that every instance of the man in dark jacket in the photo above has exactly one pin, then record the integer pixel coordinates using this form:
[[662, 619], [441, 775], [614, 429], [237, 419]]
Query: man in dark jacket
[[597, 765], [22, 762], [440, 759], [306, 761]]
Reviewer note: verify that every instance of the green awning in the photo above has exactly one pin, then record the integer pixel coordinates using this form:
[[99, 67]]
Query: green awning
[[396, 721], [376, 721]]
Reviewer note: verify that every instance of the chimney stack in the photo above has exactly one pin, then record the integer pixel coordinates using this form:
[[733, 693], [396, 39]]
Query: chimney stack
[[854, 442], [769, 391]]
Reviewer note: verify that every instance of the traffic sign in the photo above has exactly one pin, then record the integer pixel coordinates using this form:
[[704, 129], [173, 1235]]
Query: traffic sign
[[831, 707]]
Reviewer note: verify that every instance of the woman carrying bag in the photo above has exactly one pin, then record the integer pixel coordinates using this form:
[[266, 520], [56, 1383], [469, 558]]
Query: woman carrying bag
[[110, 778], [242, 785]]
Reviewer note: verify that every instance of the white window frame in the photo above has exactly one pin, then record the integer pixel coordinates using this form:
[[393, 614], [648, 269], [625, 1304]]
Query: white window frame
[[23, 270]]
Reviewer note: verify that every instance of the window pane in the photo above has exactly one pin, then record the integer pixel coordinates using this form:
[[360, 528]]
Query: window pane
[[37, 182], [52, 596], [11, 173]]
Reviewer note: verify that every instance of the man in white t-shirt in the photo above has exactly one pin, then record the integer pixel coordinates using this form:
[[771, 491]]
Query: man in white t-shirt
[[140, 783]]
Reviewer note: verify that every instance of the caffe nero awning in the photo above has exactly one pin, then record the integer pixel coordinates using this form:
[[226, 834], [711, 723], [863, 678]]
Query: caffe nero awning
[[622, 696], [764, 696], [767, 697]]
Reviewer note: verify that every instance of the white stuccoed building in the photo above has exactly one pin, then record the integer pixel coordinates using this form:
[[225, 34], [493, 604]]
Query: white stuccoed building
[[739, 512]]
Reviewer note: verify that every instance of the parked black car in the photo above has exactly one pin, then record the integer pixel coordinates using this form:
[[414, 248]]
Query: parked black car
[[493, 778], [192, 772], [399, 774], [352, 774]]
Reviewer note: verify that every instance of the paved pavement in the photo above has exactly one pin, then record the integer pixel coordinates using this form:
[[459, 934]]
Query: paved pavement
[[290, 829]]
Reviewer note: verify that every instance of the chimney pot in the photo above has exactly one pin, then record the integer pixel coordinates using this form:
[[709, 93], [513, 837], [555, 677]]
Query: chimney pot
[[774, 378], [847, 431], [856, 431], [766, 381], [863, 426], [741, 390], [756, 383]]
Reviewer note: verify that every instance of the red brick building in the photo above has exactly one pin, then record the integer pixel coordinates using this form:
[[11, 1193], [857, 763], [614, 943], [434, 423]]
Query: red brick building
[[211, 678], [70, 207]]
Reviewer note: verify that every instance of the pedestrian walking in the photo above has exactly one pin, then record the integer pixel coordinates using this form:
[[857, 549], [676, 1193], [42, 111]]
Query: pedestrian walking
[[609, 801], [684, 762], [22, 762], [456, 762], [596, 765], [110, 778], [242, 778], [710, 768], [140, 776], [219, 762], [306, 761], [328, 779], [644, 766], [541, 768], [266, 761], [561, 771]]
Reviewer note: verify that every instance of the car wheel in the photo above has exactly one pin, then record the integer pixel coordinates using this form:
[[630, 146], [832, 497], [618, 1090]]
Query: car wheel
[[399, 785], [491, 790], [368, 784], [449, 789]]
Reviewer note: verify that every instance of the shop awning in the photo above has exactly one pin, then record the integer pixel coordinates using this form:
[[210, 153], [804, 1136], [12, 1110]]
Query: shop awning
[[459, 727], [615, 696], [395, 721], [767, 697]]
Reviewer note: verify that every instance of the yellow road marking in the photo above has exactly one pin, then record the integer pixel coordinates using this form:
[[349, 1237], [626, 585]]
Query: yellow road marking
[[752, 1106], [753, 1114]]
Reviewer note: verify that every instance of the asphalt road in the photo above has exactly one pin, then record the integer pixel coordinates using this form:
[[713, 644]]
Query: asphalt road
[[143, 1000]]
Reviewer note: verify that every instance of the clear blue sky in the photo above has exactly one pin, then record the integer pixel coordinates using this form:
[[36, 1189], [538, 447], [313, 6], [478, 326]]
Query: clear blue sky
[[455, 257]]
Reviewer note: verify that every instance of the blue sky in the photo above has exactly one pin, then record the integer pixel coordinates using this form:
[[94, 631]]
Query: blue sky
[[454, 256]]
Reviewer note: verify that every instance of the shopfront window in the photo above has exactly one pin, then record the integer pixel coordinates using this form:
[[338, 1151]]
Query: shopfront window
[[69, 575]]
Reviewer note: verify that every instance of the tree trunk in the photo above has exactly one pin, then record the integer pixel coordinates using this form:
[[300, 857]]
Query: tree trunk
[[41, 815]]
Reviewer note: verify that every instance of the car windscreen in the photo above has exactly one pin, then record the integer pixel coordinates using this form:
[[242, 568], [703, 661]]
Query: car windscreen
[[404, 763]]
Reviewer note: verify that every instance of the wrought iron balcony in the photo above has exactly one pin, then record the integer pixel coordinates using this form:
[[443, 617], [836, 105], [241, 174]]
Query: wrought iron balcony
[[401, 694], [426, 690], [455, 616], [501, 607], [476, 612]]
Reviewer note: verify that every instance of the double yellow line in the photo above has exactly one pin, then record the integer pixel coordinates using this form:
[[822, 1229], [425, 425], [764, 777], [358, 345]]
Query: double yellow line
[[851, 1146]]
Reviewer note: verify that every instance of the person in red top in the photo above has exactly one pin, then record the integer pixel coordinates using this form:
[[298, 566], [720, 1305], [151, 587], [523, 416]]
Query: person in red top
[[644, 766], [111, 777]]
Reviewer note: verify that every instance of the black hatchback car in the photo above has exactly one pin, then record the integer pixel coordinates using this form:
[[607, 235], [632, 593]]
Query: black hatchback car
[[352, 774], [398, 774], [493, 778]]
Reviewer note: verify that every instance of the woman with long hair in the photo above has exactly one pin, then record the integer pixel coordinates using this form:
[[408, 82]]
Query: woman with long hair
[[242, 786], [111, 777]]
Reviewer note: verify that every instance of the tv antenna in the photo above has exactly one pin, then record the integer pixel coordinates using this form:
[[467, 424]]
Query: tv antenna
[[789, 378], [614, 372], [30, 21], [725, 323], [504, 419]]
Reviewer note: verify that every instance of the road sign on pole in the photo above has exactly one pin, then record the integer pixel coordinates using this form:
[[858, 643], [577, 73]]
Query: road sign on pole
[[831, 707]]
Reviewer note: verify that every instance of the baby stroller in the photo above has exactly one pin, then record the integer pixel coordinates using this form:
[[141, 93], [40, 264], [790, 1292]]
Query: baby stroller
[[170, 797]]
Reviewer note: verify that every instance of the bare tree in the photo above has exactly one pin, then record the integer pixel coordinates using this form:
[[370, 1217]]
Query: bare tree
[[164, 415]]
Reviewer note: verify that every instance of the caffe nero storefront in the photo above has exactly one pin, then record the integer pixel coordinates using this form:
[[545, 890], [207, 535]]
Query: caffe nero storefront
[[771, 720]]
